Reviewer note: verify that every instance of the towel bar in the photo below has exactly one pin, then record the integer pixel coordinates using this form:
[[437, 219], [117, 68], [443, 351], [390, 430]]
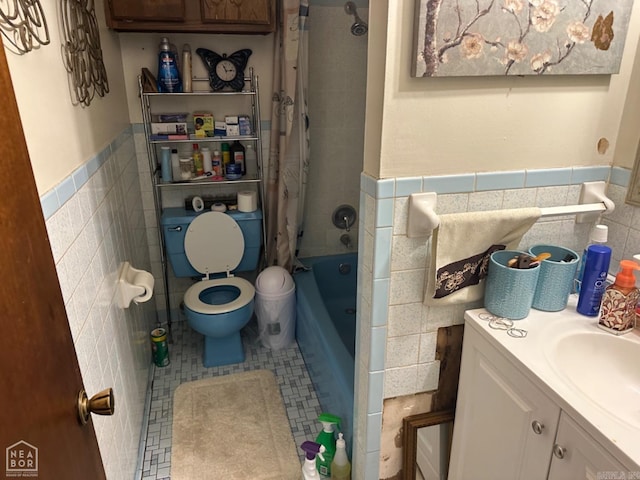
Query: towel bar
[[422, 219]]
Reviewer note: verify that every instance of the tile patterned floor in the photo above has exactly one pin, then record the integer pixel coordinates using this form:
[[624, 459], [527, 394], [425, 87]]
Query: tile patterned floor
[[185, 352]]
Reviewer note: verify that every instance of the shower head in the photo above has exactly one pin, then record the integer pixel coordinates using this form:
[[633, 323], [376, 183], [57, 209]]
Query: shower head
[[359, 26]]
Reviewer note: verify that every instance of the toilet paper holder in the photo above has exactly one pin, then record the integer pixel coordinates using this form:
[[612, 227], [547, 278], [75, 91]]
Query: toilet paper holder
[[133, 284]]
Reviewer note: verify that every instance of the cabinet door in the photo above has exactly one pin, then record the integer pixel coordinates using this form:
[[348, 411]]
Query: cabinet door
[[243, 12], [494, 436], [147, 10], [577, 456]]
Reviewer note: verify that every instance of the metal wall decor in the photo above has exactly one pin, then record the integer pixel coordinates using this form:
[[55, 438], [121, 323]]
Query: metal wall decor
[[81, 51], [23, 24]]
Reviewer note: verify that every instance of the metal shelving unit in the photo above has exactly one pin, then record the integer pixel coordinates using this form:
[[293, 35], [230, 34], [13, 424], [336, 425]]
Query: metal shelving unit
[[153, 147]]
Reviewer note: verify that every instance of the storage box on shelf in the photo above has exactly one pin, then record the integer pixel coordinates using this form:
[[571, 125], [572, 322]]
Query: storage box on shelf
[[244, 104]]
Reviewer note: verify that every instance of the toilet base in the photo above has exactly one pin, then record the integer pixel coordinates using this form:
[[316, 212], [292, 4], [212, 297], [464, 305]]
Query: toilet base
[[223, 351]]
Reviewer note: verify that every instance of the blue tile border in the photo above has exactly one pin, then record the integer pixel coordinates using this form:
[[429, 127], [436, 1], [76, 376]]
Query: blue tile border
[[391, 188], [500, 180], [382, 252], [49, 203], [384, 212], [385, 188], [380, 302], [55, 198], [548, 177], [376, 392], [378, 348], [620, 176], [449, 183], [407, 186], [374, 431], [590, 174], [65, 190]]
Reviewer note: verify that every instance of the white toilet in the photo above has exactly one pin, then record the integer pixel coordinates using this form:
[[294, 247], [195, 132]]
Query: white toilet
[[218, 306]]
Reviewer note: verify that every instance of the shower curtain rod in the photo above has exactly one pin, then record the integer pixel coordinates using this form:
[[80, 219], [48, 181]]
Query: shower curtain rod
[[422, 218]]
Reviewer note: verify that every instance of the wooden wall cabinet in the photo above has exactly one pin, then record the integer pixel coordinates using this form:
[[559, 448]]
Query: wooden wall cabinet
[[188, 16]]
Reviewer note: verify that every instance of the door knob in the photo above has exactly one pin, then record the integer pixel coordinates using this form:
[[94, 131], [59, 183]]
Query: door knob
[[101, 403], [537, 427], [559, 451]]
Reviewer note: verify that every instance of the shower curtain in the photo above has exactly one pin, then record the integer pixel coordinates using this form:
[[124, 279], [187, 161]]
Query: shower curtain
[[288, 154]]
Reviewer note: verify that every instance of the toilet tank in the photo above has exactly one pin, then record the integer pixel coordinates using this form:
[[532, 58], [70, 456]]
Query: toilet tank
[[175, 222]]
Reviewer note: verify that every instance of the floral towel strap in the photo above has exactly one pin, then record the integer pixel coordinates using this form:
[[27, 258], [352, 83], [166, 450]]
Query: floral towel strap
[[463, 273]]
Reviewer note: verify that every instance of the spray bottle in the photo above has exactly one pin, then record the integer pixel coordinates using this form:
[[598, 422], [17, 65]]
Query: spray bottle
[[327, 438], [598, 236], [311, 449], [618, 310]]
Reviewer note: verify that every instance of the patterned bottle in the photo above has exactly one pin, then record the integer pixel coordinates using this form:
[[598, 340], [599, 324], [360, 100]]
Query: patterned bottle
[[618, 309]]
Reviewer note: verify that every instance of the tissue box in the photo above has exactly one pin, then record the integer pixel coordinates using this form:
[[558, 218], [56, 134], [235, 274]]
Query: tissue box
[[203, 124], [169, 128]]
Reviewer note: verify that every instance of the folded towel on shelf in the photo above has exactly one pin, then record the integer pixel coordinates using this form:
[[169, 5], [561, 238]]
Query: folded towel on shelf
[[461, 247]]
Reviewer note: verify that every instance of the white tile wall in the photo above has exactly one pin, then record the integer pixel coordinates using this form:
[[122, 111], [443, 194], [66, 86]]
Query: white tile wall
[[406, 341], [336, 125], [98, 228]]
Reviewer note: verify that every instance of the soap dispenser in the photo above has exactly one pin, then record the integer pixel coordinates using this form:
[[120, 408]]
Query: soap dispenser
[[618, 309]]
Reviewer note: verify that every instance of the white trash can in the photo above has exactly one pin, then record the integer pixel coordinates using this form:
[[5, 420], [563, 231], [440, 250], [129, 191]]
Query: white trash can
[[275, 307]]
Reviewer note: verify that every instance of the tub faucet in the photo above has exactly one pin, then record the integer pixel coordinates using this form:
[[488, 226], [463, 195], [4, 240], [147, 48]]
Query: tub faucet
[[346, 240], [346, 224]]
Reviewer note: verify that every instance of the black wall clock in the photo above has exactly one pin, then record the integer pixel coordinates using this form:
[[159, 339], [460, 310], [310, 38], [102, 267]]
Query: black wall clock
[[225, 71]]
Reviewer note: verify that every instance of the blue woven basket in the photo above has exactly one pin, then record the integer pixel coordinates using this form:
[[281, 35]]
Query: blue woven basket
[[509, 291]]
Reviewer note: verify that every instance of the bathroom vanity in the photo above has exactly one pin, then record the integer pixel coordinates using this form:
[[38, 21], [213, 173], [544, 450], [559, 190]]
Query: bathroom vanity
[[561, 403]]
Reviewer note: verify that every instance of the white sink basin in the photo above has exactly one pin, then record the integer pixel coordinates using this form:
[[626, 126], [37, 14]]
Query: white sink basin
[[604, 367]]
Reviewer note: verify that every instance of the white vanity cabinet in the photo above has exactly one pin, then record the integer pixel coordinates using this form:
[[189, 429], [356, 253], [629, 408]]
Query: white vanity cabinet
[[509, 426], [504, 426], [576, 455]]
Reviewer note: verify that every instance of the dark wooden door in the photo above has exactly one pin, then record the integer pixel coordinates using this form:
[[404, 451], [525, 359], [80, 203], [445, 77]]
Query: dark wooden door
[[39, 374]]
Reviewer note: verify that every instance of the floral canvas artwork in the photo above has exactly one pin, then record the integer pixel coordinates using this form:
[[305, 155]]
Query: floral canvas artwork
[[519, 37]]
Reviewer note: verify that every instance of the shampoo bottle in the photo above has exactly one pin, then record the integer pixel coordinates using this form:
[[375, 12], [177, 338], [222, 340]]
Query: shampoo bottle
[[598, 236], [197, 161], [311, 449], [168, 72], [226, 156], [327, 439], [618, 309], [340, 467], [594, 280]]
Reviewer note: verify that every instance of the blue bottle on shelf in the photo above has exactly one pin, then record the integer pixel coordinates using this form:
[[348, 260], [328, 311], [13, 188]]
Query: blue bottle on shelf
[[594, 280], [165, 164], [168, 74]]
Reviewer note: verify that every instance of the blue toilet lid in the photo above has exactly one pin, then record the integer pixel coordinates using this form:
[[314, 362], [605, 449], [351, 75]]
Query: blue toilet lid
[[214, 243]]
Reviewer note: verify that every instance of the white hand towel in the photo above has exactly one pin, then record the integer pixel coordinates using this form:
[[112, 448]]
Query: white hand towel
[[460, 250]]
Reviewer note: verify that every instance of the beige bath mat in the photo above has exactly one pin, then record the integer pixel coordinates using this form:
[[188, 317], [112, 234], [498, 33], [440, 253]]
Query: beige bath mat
[[232, 427]]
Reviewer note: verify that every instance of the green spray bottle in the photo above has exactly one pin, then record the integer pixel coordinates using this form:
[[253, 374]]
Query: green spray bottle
[[327, 439]]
